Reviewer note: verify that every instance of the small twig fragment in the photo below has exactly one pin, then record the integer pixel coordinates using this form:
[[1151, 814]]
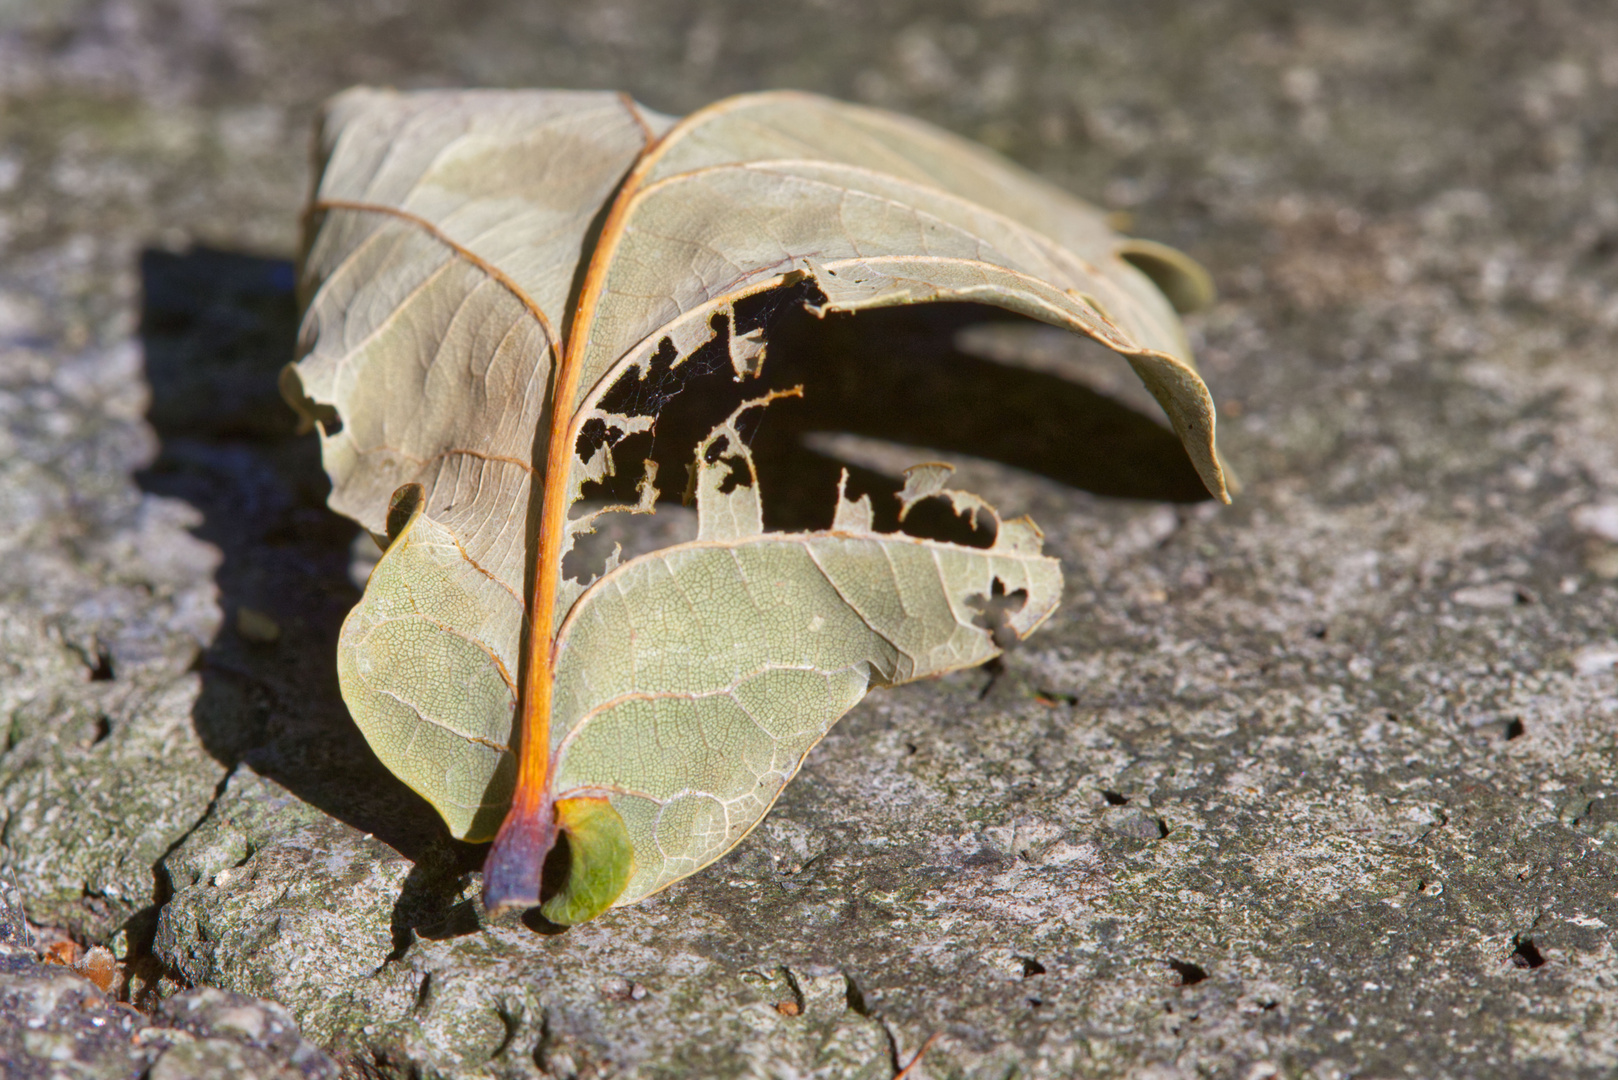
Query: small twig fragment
[[902, 1073]]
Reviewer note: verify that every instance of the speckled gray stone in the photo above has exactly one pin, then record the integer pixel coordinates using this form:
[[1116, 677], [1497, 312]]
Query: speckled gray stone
[[1369, 711], [55, 1023]]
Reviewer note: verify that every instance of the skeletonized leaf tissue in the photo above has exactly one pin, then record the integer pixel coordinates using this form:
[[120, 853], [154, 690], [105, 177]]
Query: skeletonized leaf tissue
[[501, 291]]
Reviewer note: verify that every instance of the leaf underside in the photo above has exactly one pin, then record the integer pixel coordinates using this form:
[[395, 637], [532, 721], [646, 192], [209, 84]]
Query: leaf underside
[[460, 250]]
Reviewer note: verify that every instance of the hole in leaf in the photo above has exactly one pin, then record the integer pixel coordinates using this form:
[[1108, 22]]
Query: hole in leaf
[[1115, 799], [592, 437], [586, 561], [644, 393], [687, 397], [736, 477], [328, 419], [669, 376], [716, 450], [588, 557], [936, 519], [1526, 954], [1190, 974], [995, 611], [622, 485], [898, 375], [893, 375]]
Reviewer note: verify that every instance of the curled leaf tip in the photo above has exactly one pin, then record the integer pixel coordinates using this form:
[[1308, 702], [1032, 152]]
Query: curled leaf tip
[[600, 858], [1183, 280]]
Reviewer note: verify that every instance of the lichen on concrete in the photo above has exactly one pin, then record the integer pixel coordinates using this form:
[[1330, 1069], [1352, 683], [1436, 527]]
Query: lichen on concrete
[[1321, 784]]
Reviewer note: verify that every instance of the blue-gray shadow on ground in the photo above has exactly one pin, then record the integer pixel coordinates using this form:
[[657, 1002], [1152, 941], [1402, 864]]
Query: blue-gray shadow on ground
[[216, 329]]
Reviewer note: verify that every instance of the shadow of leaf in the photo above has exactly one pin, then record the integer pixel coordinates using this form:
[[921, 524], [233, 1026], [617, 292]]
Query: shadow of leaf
[[216, 327]]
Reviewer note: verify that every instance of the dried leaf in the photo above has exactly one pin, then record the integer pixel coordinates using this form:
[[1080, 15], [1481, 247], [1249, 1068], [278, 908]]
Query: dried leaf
[[503, 287]]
